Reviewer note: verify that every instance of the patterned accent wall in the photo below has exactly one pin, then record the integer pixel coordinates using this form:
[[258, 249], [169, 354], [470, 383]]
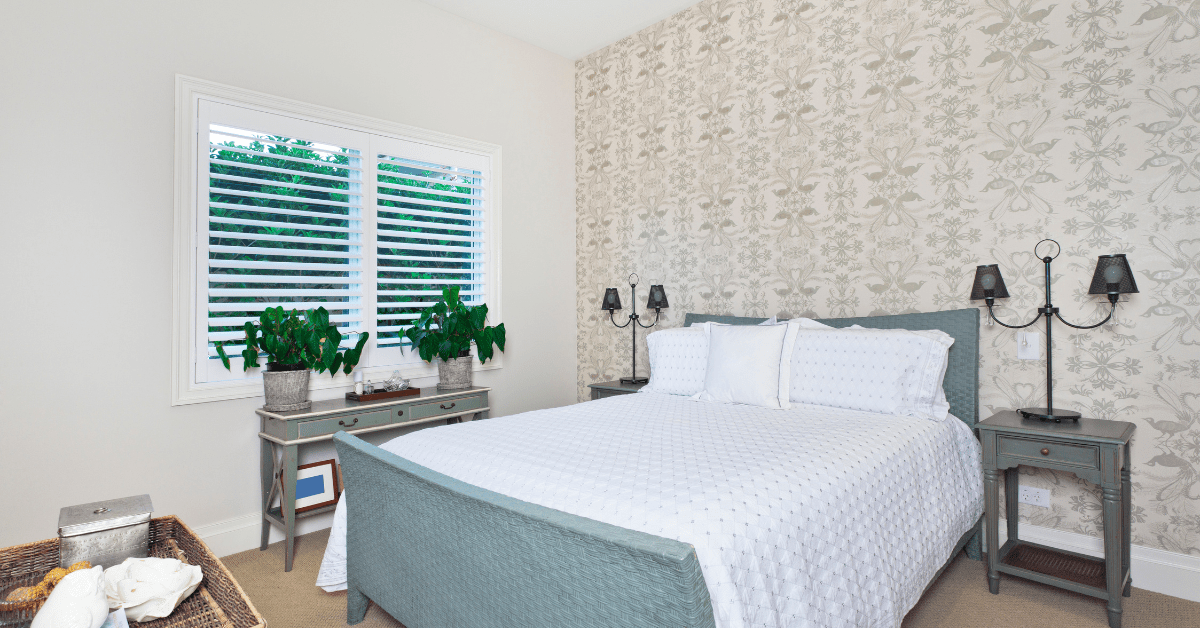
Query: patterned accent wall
[[847, 158]]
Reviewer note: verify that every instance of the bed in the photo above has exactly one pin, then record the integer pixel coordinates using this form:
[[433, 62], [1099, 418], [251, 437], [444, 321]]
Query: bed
[[656, 510]]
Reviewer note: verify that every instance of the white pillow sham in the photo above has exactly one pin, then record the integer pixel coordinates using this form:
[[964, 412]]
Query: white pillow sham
[[749, 364], [892, 371], [678, 361], [805, 323]]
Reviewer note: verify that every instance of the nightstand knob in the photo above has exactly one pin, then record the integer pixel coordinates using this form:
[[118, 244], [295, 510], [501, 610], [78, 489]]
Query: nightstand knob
[[1045, 452]]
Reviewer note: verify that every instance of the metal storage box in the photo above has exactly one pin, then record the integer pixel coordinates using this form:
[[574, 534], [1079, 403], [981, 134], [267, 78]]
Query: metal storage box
[[105, 533]]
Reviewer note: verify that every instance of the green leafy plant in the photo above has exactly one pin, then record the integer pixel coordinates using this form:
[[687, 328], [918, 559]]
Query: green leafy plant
[[294, 339], [447, 328]]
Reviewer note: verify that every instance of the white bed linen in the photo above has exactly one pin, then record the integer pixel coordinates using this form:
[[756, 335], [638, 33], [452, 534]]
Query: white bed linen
[[811, 516]]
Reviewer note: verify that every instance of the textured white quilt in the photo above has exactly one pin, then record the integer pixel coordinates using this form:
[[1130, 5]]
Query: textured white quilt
[[812, 516]]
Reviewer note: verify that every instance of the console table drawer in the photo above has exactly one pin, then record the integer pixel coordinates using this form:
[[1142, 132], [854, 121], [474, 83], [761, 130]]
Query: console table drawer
[[447, 406], [348, 423], [1050, 451]]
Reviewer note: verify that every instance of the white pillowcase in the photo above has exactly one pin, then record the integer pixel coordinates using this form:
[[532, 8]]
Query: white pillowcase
[[678, 361], [892, 371], [805, 323], [749, 364]]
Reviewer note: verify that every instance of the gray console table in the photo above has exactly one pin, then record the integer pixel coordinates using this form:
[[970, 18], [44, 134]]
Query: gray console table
[[288, 431], [1095, 450]]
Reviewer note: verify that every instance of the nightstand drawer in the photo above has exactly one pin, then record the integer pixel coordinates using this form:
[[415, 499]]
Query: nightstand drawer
[[348, 423], [1049, 451], [460, 405]]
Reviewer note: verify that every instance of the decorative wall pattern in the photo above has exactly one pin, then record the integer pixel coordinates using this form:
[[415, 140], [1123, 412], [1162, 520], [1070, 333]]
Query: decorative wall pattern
[[859, 157]]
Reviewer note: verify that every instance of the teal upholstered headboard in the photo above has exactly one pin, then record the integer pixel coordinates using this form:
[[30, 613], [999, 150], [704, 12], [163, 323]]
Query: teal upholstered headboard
[[962, 373]]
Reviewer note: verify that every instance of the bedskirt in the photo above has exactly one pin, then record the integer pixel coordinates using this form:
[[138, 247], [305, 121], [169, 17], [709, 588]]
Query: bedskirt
[[435, 552]]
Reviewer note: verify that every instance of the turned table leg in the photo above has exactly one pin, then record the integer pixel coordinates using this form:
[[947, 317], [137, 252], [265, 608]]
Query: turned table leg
[[991, 503]]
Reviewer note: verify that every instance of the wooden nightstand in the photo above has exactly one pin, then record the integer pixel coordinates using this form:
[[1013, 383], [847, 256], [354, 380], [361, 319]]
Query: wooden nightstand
[[601, 390], [1097, 451]]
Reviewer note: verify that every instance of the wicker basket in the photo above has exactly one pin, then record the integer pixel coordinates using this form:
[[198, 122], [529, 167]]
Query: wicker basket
[[218, 603]]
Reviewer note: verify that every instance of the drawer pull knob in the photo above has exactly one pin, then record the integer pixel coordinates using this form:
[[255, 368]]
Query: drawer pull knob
[[343, 423], [447, 407], [399, 413], [1045, 452]]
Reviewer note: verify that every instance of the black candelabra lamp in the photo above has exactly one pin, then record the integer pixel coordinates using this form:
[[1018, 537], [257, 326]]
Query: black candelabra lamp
[[1112, 278], [612, 302]]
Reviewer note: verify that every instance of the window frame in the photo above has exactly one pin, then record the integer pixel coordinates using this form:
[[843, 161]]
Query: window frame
[[189, 91]]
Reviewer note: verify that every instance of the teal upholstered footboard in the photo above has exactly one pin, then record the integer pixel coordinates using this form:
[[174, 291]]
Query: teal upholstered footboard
[[434, 551]]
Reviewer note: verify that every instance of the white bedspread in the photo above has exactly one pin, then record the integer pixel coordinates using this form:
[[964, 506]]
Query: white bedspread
[[811, 516]]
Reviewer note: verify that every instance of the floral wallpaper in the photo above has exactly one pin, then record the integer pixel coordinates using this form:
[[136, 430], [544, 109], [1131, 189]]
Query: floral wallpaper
[[857, 157]]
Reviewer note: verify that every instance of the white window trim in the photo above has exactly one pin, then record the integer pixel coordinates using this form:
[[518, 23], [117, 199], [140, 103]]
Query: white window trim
[[188, 92]]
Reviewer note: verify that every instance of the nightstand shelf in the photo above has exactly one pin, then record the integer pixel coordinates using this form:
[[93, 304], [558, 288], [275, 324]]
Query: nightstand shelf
[[1050, 565], [1096, 451]]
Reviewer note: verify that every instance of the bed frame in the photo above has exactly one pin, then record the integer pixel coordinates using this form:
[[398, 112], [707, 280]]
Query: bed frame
[[437, 552]]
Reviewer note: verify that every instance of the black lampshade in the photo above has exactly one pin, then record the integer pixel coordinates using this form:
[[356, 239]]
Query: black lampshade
[[612, 300], [988, 283], [1113, 276], [658, 298]]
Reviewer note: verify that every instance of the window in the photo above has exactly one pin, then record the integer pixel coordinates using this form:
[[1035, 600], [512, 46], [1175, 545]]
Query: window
[[301, 211]]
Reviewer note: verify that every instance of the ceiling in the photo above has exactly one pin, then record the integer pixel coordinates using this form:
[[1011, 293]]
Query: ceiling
[[571, 28]]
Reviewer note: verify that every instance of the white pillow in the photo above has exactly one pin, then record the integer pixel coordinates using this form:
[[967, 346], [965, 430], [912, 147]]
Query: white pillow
[[678, 360], [892, 371], [939, 394], [749, 364], [806, 323]]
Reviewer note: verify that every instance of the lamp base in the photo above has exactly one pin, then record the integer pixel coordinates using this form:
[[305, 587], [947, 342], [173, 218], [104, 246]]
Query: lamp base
[[635, 380], [1049, 414]]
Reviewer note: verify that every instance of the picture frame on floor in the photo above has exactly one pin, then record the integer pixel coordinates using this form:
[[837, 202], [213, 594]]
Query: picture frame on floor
[[317, 485]]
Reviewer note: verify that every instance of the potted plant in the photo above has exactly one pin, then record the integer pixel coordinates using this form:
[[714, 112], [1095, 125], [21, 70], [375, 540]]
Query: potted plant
[[295, 343], [446, 330]]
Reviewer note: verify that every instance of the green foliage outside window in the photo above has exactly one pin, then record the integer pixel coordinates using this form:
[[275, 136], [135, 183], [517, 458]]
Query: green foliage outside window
[[316, 179]]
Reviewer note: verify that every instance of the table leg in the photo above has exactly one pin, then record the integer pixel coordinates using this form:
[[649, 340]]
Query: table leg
[[1113, 558], [1126, 521], [1012, 490], [991, 505], [287, 503], [266, 470]]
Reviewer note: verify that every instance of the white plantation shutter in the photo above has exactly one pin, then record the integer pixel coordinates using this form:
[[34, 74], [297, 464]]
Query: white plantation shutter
[[430, 232], [370, 222], [283, 227]]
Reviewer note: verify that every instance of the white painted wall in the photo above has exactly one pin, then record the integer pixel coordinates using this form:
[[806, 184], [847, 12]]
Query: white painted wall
[[86, 206]]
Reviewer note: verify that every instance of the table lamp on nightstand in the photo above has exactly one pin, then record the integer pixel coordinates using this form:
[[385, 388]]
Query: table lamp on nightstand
[[1113, 278], [612, 302]]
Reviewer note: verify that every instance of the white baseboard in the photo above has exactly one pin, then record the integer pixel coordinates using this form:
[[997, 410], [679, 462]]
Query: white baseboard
[[243, 533], [1155, 570]]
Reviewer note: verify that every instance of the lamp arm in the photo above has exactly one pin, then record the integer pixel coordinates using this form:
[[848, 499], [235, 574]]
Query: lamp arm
[[1106, 319], [656, 315], [614, 320], [1003, 324]]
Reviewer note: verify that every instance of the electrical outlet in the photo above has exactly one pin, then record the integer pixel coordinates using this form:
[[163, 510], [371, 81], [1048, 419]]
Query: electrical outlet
[[1034, 496]]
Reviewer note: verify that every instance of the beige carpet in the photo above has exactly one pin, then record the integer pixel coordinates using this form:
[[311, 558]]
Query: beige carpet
[[959, 599]]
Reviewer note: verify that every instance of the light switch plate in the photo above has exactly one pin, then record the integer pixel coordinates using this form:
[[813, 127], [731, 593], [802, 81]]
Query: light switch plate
[[1029, 345], [1034, 496]]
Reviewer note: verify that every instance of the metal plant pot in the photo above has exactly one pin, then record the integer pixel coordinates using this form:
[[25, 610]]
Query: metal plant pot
[[455, 373], [286, 390]]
